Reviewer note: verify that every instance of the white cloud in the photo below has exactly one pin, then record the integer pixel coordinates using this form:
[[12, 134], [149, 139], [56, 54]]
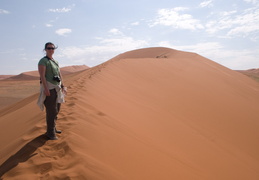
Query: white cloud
[[202, 48], [244, 30], [227, 24], [135, 23], [206, 3], [115, 31], [252, 1], [227, 13], [176, 19], [106, 49], [48, 25], [234, 59], [122, 43], [2, 11], [62, 10], [63, 32], [244, 24]]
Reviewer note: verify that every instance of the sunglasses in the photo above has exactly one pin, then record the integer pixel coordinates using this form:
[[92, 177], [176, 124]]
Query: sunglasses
[[50, 48]]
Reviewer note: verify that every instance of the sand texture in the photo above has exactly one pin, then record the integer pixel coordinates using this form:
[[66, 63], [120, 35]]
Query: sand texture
[[147, 114]]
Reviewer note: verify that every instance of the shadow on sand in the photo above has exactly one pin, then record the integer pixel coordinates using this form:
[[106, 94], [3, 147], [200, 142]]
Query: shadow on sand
[[23, 154]]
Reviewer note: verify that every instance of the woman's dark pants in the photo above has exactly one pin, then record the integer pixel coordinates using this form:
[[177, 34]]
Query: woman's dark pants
[[52, 110]]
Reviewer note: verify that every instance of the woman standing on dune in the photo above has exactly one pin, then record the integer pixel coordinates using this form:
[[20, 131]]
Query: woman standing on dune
[[52, 89]]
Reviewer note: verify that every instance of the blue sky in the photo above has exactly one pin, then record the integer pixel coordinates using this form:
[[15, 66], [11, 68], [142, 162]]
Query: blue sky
[[93, 31]]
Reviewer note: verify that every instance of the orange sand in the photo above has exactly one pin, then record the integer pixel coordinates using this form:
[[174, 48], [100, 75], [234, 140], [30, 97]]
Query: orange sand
[[148, 114]]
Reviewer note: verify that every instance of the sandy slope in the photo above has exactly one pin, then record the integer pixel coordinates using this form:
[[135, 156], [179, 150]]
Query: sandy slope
[[12, 91], [148, 114]]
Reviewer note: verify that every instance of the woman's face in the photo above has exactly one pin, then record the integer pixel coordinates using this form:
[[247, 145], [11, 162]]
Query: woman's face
[[50, 50]]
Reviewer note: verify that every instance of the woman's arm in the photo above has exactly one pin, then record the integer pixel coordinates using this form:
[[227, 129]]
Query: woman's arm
[[42, 71], [61, 78], [64, 89]]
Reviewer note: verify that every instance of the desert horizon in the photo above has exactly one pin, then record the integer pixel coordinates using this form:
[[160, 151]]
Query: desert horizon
[[152, 113]]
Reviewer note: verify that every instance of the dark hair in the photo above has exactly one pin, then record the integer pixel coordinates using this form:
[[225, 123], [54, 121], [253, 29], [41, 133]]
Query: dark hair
[[49, 43]]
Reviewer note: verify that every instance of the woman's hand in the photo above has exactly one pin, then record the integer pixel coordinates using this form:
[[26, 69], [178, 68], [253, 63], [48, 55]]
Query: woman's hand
[[46, 91], [64, 90]]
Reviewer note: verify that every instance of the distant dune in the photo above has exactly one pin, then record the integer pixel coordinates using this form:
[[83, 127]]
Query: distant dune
[[34, 75], [147, 114], [252, 73], [5, 76], [73, 69]]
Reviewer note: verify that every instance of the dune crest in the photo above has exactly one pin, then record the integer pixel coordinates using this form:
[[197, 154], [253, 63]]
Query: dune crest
[[152, 113]]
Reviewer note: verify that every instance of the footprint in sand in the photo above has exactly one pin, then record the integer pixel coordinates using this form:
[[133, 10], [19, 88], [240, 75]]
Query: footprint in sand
[[45, 168]]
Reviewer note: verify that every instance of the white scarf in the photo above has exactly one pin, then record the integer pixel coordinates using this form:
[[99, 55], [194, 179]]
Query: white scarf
[[42, 96]]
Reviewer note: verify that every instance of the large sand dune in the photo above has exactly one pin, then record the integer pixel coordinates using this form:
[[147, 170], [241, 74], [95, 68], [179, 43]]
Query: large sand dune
[[148, 114]]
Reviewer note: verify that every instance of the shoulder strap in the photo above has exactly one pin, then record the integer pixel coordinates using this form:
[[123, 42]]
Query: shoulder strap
[[53, 62]]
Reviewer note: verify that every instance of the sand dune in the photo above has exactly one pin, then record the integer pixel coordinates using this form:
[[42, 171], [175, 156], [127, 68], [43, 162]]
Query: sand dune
[[253, 73], [5, 76], [147, 114], [73, 69], [34, 75]]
